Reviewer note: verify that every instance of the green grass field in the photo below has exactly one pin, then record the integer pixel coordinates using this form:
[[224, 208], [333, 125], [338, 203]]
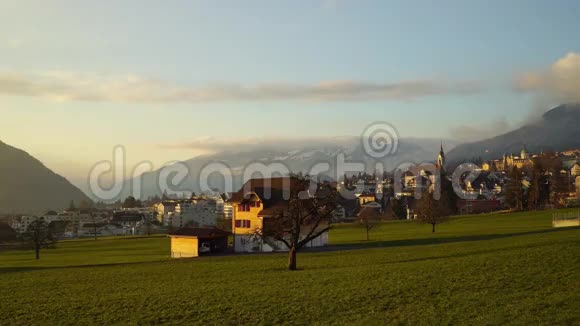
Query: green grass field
[[487, 269]]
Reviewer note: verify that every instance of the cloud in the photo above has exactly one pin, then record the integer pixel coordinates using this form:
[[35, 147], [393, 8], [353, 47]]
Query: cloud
[[477, 131], [64, 86], [560, 82], [214, 144]]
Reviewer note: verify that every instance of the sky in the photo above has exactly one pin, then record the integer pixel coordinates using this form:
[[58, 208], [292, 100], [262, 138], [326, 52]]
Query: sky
[[169, 80]]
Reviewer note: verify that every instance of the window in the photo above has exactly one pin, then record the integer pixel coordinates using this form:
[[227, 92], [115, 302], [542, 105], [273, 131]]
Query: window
[[243, 224]]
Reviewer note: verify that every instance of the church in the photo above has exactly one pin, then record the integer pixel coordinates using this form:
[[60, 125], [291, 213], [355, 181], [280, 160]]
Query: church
[[507, 162]]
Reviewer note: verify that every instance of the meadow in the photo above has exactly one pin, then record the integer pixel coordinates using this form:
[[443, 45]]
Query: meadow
[[483, 270]]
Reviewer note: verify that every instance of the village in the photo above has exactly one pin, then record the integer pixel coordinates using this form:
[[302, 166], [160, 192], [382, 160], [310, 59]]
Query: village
[[235, 222]]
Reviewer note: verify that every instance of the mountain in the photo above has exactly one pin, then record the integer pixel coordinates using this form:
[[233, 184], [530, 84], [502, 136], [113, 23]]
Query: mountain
[[297, 157], [27, 186], [557, 130]]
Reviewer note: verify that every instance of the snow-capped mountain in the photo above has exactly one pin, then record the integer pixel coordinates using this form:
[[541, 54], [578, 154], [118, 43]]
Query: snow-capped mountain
[[296, 158]]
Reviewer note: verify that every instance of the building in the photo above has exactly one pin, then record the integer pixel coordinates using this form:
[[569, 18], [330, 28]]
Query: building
[[165, 210], [508, 162], [199, 211], [101, 229], [575, 170], [129, 220], [228, 211], [366, 197], [255, 206], [192, 241], [441, 164]]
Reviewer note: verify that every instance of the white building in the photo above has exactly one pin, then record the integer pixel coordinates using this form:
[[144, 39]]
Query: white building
[[199, 211], [228, 211]]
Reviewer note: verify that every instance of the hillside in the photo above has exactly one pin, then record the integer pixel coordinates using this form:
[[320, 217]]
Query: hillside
[[557, 130], [27, 186]]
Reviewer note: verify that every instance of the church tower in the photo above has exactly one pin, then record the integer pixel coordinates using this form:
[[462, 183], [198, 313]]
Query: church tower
[[524, 153], [441, 159]]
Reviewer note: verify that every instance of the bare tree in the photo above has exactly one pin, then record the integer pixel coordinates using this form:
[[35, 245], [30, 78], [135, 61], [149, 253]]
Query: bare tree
[[38, 234], [432, 211], [369, 218], [514, 194], [307, 216]]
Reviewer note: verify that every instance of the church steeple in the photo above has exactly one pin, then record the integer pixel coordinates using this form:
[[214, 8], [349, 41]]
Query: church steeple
[[524, 153], [441, 158]]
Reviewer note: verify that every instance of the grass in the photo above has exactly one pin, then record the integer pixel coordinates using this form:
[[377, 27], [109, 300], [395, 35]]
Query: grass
[[486, 269]]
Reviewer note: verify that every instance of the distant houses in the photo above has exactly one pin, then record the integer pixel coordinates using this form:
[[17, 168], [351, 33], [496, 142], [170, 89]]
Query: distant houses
[[204, 210], [89, 222]]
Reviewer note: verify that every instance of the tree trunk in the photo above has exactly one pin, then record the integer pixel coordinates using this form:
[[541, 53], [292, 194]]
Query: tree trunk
[[433, 230], [292, 259], [37, 252]]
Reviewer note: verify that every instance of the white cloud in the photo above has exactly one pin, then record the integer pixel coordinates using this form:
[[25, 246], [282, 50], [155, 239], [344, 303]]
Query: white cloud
[[215, 144], [560, 81], [64, 86]]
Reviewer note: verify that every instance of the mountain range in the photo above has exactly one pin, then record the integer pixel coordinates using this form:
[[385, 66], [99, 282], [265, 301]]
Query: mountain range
[[557, 130], [297, 157], [27, 186]]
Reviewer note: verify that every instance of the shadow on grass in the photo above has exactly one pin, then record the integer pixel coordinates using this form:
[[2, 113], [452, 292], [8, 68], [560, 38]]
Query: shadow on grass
[[432, 241], [4, 270], [331, 248]]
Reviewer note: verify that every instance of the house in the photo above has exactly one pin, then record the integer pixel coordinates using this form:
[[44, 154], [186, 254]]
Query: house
[[575, 170], [199, 211], [254, 208], [193, 241], [129, 220], [102, 228], [366, 197], [339, 214], [165, 210]]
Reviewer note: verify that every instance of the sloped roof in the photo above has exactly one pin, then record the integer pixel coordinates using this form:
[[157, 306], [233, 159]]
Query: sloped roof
[[127, 216], [271, 191]]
